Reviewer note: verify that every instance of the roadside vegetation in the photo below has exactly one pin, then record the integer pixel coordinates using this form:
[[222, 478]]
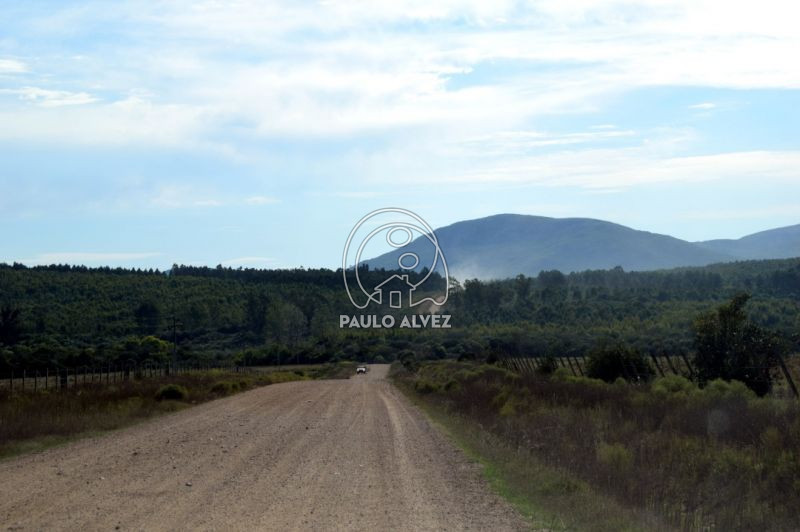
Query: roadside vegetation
[[718, 452], [31, 421], [717, 457]]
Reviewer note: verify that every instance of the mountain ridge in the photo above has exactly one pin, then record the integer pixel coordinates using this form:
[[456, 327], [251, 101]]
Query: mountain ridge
[[505, 245]]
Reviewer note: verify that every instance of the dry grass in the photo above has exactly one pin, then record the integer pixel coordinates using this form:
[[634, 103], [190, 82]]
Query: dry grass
[[31, 421], [717, 458]]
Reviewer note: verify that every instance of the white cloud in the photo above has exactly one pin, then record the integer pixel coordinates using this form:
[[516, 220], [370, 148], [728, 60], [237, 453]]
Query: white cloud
[[356, 69], [51, 98], [12, 66], [207, 203], [357, 194], [789, 211], [87, 258], [625, 167], [129, 121], [177, 196], [260, 200], [251, 262], [703, 106], [505, 143], [180, 196]]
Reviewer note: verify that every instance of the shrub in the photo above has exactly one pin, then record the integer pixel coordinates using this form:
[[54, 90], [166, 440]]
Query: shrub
[[172, 392], [424, 386], [561, 374], [611, 361], [409, 360], [673, 384], [225, 388], [615, 457], [719, 388], [547, 366], [452, 386], [509, 408]]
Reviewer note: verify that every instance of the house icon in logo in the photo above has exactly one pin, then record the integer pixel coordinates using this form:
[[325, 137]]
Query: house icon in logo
[[395, 286], [399, 290]]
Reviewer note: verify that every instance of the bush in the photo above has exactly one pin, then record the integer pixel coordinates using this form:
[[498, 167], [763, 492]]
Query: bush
[[452, 386], [225, 388], [673, 384], [561, 374], [424, 386], [547, 366], [172, 392], [721, 389], [409, 360], [615, 457], [611, 361]]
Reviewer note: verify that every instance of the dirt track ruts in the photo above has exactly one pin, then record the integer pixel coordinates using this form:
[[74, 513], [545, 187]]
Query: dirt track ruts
[[313, 455]]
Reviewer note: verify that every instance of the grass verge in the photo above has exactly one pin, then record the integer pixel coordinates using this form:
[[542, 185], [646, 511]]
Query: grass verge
[[549, 499], [711, 458]]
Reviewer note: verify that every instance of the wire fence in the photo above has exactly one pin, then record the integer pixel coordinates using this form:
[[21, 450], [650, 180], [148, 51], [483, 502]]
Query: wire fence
[[60, 378], [661, 365]]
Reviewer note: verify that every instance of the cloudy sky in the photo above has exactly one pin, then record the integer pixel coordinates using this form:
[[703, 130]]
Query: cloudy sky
[[257, 133]]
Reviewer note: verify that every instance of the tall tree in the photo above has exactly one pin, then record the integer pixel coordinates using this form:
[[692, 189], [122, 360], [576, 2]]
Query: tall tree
[[10, 326], [148, 317], [731, 347]]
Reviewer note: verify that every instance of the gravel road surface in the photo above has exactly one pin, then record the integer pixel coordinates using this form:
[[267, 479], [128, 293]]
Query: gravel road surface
[[313, 455]]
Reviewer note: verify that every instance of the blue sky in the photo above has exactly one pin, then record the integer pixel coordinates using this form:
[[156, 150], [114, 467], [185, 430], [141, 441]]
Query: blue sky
[[257, 133]]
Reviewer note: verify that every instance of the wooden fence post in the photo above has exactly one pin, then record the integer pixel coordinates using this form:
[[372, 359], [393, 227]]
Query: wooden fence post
[[658, 366], [574, 373], [788, 376], [688, 366], [578, 365]]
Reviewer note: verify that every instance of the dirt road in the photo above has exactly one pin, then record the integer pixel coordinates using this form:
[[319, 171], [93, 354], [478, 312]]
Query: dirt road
[[314, 455]]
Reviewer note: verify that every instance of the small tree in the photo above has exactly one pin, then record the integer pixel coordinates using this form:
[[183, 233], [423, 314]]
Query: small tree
[[731, 347], [610, 361]]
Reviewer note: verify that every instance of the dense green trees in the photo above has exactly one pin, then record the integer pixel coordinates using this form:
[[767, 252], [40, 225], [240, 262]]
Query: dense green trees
[[610, 361], [148, 317], [10, 326], [731, 347], [75, 315]]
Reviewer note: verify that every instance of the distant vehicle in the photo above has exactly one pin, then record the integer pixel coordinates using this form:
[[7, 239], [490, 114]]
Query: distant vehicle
[[361, 369]]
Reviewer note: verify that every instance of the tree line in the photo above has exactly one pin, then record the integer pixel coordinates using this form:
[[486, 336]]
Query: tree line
[[66, 315]]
